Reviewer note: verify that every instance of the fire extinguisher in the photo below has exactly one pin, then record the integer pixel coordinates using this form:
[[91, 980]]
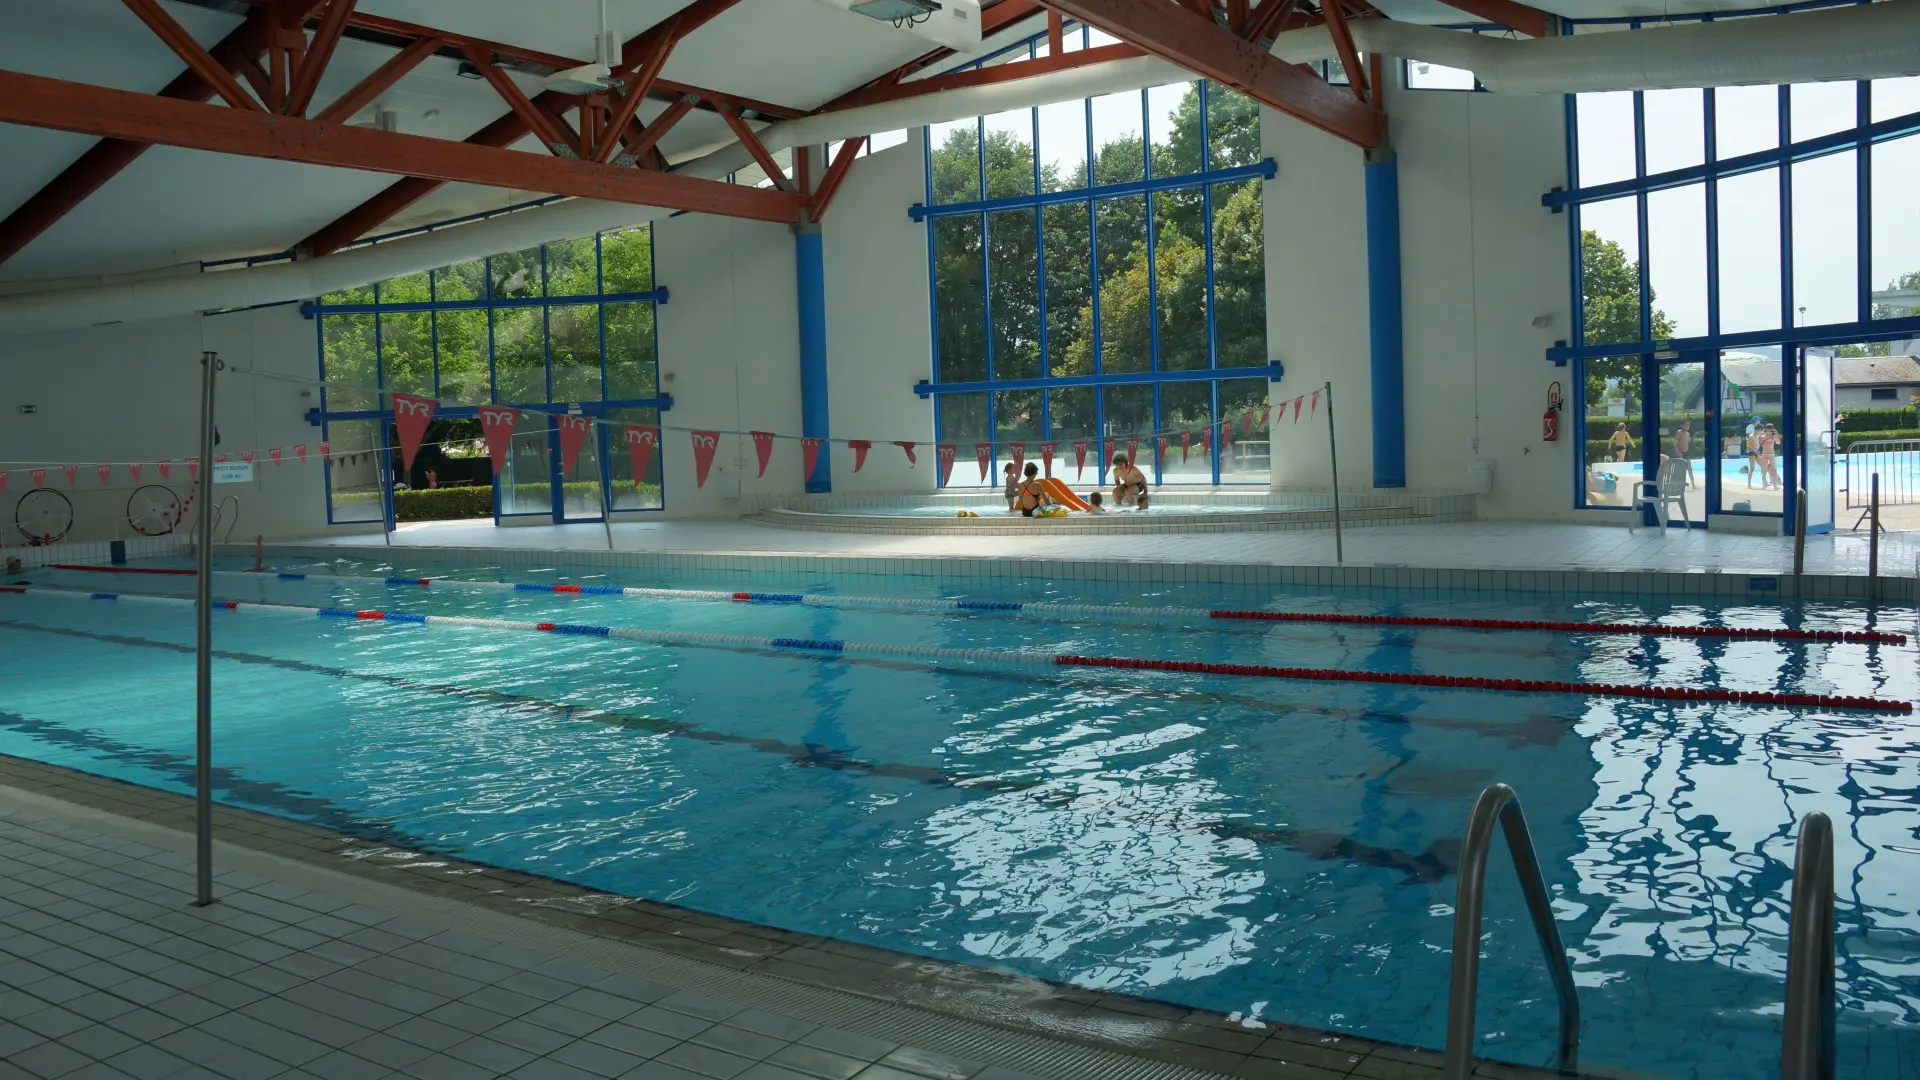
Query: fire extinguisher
[[1550, 423]]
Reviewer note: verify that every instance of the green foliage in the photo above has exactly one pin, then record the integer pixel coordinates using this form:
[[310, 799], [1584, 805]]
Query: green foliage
[[461, 503], [1847, 439], [965, 257]]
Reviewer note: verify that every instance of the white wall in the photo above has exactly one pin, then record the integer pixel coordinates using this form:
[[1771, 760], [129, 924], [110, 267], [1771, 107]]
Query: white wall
[[131, 392], [879, 330], [729, 355], [1480, 259]]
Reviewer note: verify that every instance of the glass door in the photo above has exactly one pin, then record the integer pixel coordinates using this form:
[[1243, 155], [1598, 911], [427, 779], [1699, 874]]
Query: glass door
[[1817, 437], [577, 493], [525, 486], [1753, 416], [1681, 434]]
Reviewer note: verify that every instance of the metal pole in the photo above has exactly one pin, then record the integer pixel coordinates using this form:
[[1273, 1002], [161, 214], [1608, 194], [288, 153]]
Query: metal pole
[[1873, 538], [203, 648], [1333, 457], [1799, 538], [606, 490], [1806, 1028]]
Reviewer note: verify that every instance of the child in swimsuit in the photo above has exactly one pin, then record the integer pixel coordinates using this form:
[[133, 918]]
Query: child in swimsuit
[[1093, 503], [1032, 493], [1013, 487]]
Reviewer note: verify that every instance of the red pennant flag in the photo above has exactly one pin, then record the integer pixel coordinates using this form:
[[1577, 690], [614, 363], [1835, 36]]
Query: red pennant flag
[[219, 459], [411, 415], [324, 450], [1315, 407], [39, 477], [908, 447], [640, 443], [810, 452], [1019, 452], [301, 453], [274, 453], [1133, 452], [3, 479], [1159, 449], [496, 423], [246, 456], [983, 452], [859, 448], [73, 474], [1079, 458], [1046, 458], [106, 473], [573, 432], [1186, 443], [704, 445], [134, 468], [166, 470], [762, 448], [1226, 435], [1246, 425], [943, 453], [1297, 402]]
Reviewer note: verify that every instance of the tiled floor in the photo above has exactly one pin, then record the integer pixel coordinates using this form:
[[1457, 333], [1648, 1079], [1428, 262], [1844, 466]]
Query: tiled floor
[[1478, 545], [333, 957], [106, 972]]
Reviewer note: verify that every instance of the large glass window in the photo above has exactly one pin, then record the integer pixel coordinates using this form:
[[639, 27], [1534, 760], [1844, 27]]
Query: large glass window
[[1109, 288], [565, 326]]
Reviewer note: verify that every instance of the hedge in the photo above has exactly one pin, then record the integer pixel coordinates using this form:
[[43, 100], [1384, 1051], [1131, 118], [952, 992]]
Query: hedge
[[1597, 448], [459, 503], [1851, 420]]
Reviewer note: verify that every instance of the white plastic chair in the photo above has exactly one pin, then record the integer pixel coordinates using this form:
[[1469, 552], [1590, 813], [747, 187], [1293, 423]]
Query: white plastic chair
[[1667, 490]]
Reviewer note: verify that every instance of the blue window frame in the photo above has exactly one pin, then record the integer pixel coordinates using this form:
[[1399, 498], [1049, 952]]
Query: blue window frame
[[1098, 277], [566, 327], [1711, 229]]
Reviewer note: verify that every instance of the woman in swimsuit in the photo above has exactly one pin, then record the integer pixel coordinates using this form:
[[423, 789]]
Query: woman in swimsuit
[[1032, 493]]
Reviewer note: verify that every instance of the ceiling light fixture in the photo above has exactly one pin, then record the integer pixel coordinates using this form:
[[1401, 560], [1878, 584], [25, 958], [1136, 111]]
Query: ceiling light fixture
[[597, 76]]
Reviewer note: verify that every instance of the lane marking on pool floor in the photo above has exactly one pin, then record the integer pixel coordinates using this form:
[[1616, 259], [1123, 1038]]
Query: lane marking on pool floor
[[1029, 658], [1053, 609]]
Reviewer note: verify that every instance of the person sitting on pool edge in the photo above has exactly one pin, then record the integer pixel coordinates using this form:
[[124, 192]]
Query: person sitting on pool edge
[[1129, 483], [1093, 503], [1033, 493]]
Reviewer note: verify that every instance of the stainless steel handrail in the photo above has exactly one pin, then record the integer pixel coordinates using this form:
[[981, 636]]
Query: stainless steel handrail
[[1806, 1036], [219, 512], [1499, 804]]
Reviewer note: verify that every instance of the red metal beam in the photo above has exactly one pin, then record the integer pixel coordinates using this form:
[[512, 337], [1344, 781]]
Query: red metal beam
[[346, 105], [198, 60], [319, 53], [1342, 35], [69, 106], [639, 145], [104, 160], [1517, 17], [1270, 18], [1236, 15], [836, 172], [1056, 33], [654, 58], [535, 120], [1181, 37], [759, 151], [508, 130], [987, 76]]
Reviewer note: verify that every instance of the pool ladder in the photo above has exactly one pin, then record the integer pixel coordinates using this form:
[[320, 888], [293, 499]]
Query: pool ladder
[[1807, 1030]]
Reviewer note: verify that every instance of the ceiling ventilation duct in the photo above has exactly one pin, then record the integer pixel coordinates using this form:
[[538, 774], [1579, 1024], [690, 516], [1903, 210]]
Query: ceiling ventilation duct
[[1866, 41]]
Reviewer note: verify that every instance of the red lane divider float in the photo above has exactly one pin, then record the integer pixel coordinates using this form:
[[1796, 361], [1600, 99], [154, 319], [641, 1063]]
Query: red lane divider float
[[1874, 637], [1472, 682], [120, 569]]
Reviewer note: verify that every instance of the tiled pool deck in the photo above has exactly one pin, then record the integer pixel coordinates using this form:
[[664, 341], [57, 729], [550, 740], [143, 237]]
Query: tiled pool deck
[[332, 957], [1587, 559]]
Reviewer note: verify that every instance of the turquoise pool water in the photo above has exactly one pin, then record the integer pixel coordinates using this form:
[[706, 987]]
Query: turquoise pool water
[[1275, 850], [993, 506]]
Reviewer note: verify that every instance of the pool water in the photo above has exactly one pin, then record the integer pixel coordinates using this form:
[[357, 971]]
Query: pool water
[[1270, 849], [993, 506]]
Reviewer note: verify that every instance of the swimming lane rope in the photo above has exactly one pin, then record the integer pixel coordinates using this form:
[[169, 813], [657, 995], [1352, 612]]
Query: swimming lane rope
[[1029, 658], [1048, 609]]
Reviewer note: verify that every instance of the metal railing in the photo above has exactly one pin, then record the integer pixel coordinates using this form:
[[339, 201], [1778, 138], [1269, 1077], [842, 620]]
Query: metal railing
[[219, 514], [1896, 460], [1807, 1036], [1499, 804]]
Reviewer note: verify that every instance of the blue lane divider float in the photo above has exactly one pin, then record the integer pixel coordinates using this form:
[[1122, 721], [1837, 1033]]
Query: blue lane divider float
[[1021, 657], [1055, 610]]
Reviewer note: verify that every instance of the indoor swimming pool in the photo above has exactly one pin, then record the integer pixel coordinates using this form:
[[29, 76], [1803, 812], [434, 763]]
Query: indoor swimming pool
[[1265, 848]]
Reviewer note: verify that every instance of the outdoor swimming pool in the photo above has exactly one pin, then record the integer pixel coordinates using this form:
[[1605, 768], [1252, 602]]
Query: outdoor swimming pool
[[1275, 849]]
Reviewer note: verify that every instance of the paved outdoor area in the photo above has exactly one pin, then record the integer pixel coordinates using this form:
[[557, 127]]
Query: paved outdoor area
[[1488, 545]]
